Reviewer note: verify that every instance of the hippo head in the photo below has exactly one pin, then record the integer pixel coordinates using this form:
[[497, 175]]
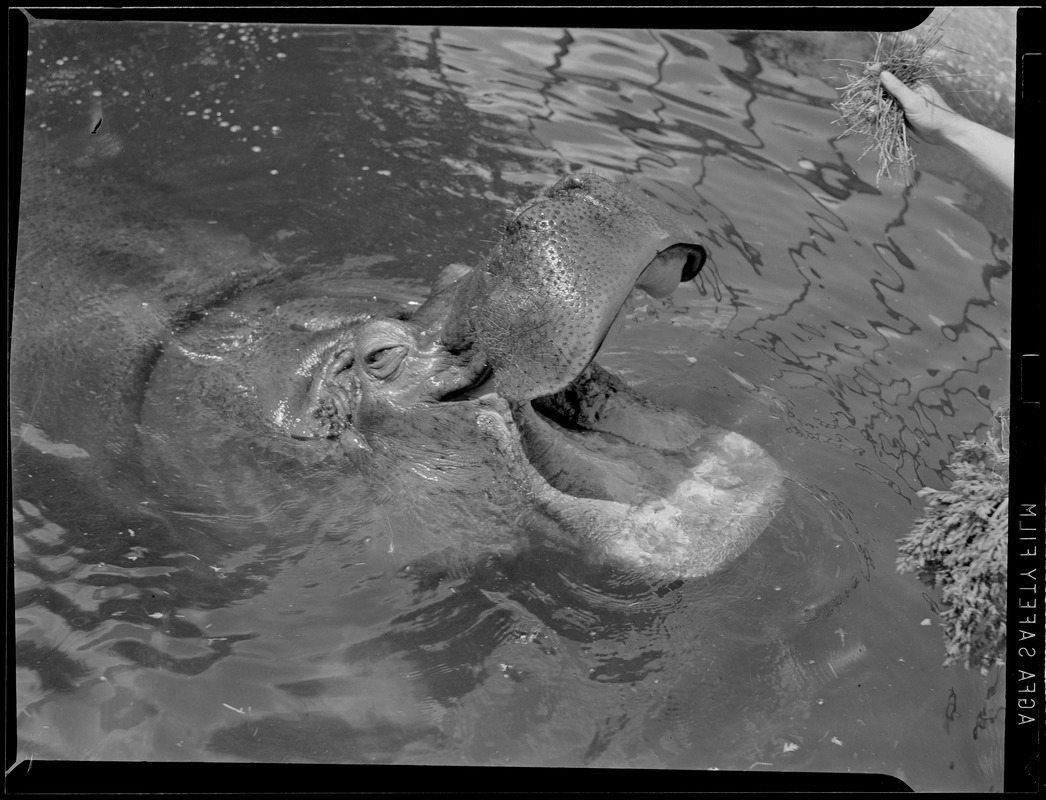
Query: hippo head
[[495, 372], [327, 374]]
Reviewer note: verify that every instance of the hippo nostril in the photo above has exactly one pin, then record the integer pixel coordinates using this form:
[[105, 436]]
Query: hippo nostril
[[695, 259]]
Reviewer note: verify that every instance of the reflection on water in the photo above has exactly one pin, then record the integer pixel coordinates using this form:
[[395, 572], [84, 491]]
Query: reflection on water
[[858, 333]]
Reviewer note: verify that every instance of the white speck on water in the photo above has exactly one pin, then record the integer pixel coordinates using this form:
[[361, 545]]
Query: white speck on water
[[384, 172], [256, 149], [926, 622], [937, 321]]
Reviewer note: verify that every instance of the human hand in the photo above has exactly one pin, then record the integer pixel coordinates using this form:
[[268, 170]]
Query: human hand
[[924, 110], [928, 115]]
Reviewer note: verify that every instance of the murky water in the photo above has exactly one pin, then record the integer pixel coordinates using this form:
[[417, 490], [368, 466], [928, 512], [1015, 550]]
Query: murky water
[[857, 332]]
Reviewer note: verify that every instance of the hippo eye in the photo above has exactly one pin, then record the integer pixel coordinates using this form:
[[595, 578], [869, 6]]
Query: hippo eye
[[383, 362], [332, 403]]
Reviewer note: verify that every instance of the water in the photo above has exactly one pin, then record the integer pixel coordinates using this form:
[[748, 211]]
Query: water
[[857, 332]]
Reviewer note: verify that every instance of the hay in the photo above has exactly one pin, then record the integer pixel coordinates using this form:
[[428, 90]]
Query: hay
[[866, 108], [959, 544]]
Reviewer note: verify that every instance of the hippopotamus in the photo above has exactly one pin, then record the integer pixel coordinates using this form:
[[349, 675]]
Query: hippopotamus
[[480, 410]]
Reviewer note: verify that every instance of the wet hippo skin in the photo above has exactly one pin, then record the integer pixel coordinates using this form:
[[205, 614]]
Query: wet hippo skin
[[476, 411]]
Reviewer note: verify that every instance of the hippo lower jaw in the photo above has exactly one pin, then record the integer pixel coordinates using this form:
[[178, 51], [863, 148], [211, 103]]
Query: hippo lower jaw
[[671, 516], [649, 488]]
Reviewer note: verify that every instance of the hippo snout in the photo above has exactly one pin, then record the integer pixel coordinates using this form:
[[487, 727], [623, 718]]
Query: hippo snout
[[547, 296]]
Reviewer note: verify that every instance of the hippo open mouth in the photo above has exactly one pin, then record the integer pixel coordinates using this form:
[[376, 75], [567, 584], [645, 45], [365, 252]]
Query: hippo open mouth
[[656, 487], [591, 435]]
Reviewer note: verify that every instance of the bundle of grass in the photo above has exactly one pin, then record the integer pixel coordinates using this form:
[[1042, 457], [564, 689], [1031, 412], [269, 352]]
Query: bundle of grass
[[869, 110], [959, 544]]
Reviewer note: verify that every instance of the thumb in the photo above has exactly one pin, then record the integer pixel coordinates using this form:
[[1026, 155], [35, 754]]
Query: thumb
[[895, 87]]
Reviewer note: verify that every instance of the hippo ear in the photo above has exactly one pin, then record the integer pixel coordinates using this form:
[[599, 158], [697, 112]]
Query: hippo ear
[[324, 420], [314, 424], [451, 274]]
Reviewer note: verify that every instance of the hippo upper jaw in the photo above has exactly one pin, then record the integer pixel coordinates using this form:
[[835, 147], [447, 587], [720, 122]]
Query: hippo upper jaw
[[542, 304]]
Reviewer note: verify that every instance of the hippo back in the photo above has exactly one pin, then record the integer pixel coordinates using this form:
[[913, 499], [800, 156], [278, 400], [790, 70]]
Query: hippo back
[[98, 290]]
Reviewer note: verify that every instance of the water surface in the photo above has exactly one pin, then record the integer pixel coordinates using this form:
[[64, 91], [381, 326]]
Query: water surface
[[856, 331]]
